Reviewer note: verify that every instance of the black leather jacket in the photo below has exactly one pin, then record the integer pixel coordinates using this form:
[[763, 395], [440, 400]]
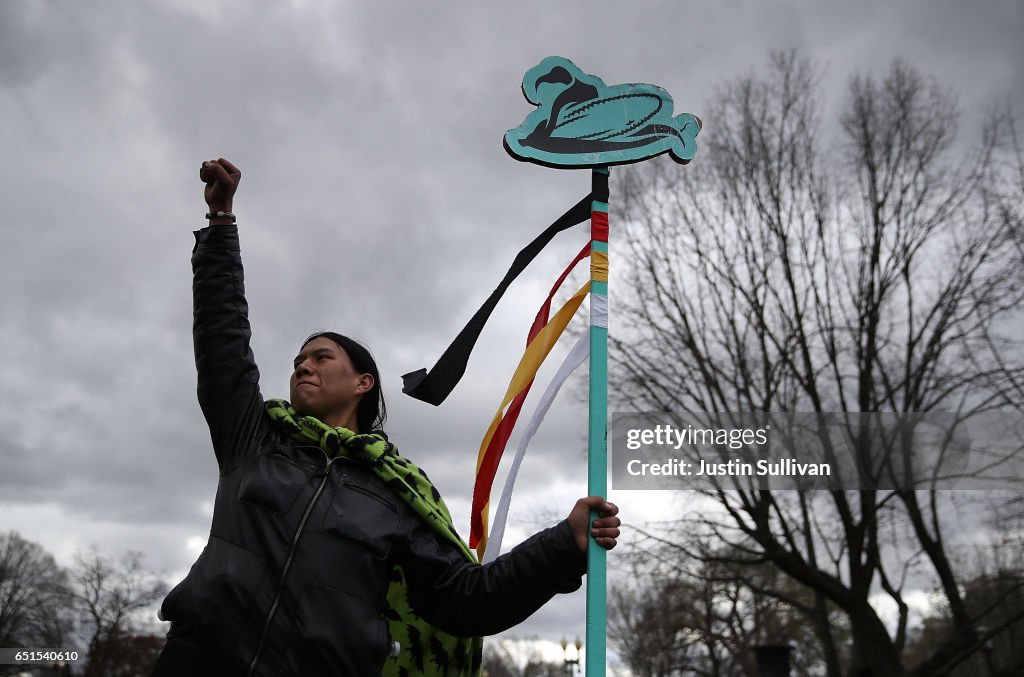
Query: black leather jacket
[[293, 578]]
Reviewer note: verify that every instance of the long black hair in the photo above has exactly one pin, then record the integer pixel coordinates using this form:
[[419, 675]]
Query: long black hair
[[371, 413]]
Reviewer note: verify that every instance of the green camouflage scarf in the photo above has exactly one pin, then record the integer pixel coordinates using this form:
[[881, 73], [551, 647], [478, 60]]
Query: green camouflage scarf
[[426, 650]]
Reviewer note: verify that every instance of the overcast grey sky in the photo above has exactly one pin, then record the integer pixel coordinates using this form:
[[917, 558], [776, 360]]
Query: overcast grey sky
[[376, 200]]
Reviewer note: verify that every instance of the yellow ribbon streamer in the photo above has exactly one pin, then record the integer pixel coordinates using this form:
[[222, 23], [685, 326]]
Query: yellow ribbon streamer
[[534, 356]]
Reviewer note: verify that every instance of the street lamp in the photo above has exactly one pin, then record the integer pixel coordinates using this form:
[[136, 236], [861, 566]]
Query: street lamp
[[571, 664]]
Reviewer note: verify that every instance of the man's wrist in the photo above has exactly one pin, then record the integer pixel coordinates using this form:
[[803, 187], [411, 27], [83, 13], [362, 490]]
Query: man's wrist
[[224, 220]]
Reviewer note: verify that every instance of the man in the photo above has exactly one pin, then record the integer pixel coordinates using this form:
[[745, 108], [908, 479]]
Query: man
[[330, 554]]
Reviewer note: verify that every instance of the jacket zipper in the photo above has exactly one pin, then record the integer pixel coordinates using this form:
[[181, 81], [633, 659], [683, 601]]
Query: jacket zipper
[[288, 563]]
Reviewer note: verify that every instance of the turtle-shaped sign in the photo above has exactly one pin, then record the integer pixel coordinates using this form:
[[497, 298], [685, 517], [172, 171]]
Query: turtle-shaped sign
[[581, 122]]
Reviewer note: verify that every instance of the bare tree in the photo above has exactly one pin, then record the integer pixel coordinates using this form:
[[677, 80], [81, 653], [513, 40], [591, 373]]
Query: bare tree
[[503, 658], [881, 274], [33, 596], [107, 598], [644, 624], [705, 619]]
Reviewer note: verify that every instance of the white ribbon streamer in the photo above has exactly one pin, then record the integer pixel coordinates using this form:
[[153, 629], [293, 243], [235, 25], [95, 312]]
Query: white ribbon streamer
[[573, 360]]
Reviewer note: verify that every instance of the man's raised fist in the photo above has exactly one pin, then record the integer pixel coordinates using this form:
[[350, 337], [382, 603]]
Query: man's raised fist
[[221, 179]]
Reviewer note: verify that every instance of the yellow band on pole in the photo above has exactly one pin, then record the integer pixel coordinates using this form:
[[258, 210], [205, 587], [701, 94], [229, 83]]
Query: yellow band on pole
[[599, 266]]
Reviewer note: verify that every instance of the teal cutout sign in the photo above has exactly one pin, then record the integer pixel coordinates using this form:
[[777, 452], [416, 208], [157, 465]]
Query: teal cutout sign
[[581, 122]]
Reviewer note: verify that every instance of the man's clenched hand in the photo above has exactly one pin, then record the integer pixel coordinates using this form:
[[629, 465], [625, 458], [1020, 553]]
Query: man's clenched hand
[[221, 179], [605, 529]]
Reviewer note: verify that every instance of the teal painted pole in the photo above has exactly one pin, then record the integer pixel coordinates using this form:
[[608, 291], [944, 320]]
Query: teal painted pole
[[597, 439], [580, 122]]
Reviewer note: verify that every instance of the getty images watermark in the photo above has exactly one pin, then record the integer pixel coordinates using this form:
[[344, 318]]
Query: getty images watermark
[[826, 451]]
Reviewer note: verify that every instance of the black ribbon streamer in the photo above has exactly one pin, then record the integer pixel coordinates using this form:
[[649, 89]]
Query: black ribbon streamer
[[435, 386]]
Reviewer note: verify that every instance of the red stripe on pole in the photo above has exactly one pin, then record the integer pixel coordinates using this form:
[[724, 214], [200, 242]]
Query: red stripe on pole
[[599, 227]]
